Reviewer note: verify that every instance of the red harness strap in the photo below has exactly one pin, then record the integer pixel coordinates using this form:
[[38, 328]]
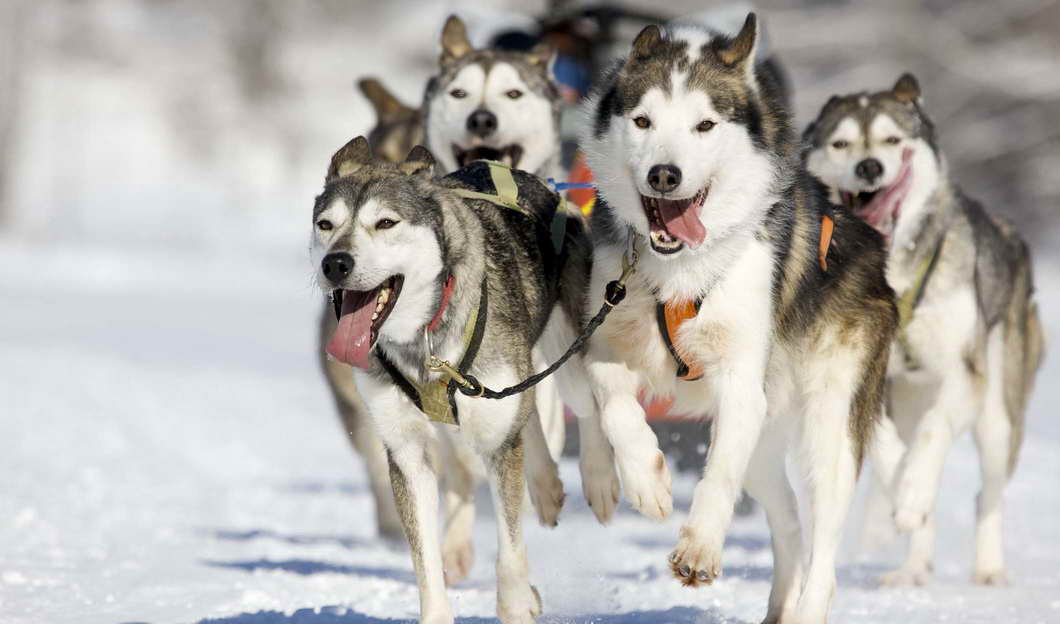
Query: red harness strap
[[447, 292], [827, 227]]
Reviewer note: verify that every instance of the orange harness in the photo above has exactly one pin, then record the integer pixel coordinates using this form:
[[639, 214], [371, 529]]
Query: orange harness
[[671, 315]]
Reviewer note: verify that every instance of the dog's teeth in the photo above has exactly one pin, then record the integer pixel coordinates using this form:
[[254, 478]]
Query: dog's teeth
[[375, 316], [384, 296]]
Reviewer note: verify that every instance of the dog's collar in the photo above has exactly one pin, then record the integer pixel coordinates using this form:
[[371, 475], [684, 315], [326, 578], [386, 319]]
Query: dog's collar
[[447, 294]]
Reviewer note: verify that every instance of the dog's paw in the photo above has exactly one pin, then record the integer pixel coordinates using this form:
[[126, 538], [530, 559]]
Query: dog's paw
[[912, 505], [456, 560], [646, 481], [991, 578], [546, 495], [520, 608], [600, 482], [907, 576], [697, 558]]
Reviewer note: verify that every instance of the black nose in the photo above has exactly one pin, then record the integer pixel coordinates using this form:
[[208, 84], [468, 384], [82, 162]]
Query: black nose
[[482, 123], [337, 266], [869, 169], [664, 178]]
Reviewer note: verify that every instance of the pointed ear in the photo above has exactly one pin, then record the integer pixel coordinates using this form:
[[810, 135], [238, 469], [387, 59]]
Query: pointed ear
[[455, 43], [349, 159], [541, 54], [741, 50], [419, 161], [907, 89], [646, 41], [387, 106]]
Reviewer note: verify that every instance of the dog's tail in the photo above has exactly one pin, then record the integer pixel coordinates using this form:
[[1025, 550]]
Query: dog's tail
[[1024, 348]]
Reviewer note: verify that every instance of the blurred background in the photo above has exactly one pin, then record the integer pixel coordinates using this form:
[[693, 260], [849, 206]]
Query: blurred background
[[161, 411]]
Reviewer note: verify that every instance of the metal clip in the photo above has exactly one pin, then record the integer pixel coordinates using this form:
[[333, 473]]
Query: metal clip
[[436, 364]]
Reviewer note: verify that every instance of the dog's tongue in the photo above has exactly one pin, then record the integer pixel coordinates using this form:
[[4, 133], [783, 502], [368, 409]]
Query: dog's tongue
[[352, 341], [682, 220], [882, 211]]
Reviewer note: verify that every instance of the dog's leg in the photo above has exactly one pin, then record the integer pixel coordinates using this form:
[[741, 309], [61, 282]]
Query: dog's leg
[[542, 473], [415, 482], [917, 568], [829, 466], [993, 432], [460, 479], [357, 425], [955, 408], [641, 465], [741, 410], [595, 457], [767, 482], [517, 601]]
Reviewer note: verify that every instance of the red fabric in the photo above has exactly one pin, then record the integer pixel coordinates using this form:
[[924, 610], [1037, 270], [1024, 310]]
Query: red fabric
[[447, 292]]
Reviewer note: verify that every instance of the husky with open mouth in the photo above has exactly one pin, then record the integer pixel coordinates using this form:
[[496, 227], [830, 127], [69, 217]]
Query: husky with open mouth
[[970, 341], [753, 303], [492, 104], [416, 267]]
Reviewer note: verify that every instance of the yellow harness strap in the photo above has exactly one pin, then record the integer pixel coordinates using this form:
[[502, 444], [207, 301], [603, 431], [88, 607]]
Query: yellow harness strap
[[910, 298]]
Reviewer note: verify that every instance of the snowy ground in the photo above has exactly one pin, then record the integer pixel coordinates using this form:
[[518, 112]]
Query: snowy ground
[[170, 455]]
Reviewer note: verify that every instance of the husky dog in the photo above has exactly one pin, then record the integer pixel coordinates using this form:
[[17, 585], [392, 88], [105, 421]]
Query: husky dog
[[970, 340], [421, 267], [398, 127], [773, 308], [493, 104]]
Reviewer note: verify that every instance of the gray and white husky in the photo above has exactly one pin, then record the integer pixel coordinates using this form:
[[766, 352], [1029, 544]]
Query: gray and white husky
[[483, 104], [421, 267], [694, 160], [970, 340], [494, 104]]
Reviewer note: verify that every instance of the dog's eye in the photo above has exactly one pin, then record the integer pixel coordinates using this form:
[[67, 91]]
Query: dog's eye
[[385, 224], [892, 140], [514, 94], [458, 93], [324, 225], [642, 122], [840, 144], [705, 126]]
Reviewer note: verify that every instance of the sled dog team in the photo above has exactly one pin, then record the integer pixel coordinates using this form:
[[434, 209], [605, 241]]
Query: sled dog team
[[825, 302]]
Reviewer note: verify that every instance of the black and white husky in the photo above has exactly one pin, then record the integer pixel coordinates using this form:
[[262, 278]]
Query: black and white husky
[[783, 346], [970, 341], [420, 267]]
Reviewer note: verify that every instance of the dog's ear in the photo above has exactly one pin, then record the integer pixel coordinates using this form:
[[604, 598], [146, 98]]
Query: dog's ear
[[907, 89], [541, 54], [741, 50], [420, 161], [455, 43], [646, 41], [387, 106], [349, 159]]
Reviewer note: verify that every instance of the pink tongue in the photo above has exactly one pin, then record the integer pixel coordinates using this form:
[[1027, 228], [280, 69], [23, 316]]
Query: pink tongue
[[352, 341], [886, 204], [682, 220]]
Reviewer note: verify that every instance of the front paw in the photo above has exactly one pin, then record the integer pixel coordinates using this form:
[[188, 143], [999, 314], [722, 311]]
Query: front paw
[[697, 558], [546, 495], [520, 608], [646, 481], [912, 505], [907, 576], [457, 558], [991, 578], [600, 482]]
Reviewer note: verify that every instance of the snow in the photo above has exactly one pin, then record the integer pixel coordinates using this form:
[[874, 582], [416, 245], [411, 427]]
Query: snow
[[169, 451], [170, 455]]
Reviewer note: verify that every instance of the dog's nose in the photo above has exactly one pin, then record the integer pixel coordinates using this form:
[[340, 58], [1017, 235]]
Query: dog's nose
[[482, 123], [869, 169], [337, 266], [664, 178]]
